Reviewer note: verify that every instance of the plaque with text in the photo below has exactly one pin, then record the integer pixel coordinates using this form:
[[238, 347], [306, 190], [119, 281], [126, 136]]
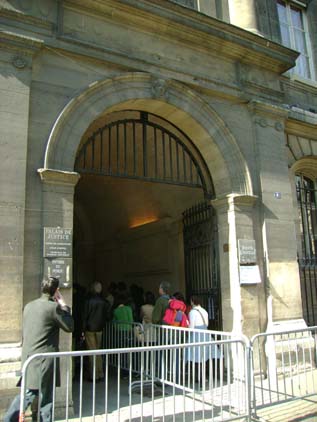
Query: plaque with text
[[250, 274], [247, 251], [60, 268], [58, 242]]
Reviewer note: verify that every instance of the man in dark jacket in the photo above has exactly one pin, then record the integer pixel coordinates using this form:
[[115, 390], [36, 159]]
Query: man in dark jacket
[[96, 314], [42, 320], [162, 303]]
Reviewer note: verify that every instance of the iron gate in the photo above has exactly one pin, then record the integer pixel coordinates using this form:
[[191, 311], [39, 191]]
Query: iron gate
[[146, 147], [307, 260], [201, 260]]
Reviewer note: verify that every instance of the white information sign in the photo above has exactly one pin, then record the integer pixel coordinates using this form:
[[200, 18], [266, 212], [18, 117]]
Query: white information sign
[[250, 274]]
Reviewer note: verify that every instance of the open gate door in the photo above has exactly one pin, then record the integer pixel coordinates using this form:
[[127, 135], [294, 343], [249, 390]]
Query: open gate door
[[201, 260]]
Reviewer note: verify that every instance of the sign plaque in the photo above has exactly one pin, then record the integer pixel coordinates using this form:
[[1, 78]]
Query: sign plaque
[[60, 268], [57, 251], [247, 251], [250, 274], [58, 242]]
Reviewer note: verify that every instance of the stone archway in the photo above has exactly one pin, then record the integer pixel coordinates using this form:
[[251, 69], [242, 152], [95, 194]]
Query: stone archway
[[186, 110], [168, 99]]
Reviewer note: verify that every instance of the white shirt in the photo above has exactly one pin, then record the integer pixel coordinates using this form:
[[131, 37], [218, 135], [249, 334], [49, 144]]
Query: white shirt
[[198, 316]]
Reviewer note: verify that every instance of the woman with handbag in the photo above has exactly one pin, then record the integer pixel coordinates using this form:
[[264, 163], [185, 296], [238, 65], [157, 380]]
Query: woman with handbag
[[198, 356]]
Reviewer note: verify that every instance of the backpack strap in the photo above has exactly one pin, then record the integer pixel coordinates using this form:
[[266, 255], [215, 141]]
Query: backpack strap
[[202, 317]]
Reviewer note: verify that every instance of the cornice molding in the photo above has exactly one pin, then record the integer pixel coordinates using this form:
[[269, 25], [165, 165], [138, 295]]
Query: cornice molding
[[301, 128], [218, 29], [25, 19], [20, 43], [267, 109], [192, 28], [234, 200]]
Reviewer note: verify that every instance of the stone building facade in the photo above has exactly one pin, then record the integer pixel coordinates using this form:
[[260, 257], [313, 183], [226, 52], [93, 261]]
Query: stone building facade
[[120, 115]]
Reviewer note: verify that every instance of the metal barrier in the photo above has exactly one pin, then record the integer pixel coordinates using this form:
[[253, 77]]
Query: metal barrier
[[283, 366], [203, 395], [186, 374], [161, 335], [123, 335], [126, 334]]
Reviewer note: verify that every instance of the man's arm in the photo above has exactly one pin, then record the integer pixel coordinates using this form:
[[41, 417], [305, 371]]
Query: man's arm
[[64, 318], [63, 315]]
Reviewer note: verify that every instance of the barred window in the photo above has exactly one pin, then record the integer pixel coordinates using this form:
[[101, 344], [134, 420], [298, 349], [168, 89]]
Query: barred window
[[294, 34], [307, 200]]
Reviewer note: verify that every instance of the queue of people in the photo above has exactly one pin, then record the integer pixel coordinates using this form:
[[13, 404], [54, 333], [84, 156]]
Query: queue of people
[[91, 312], [125, 305]]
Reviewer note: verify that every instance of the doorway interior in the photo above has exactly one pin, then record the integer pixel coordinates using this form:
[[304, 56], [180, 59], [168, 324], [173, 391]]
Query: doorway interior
[[141, 181]]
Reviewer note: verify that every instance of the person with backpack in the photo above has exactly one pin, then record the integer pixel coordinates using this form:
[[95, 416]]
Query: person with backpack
[[175, 316], [175, 313]]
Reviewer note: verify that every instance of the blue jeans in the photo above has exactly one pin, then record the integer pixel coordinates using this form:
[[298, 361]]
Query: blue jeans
[[12, 414]]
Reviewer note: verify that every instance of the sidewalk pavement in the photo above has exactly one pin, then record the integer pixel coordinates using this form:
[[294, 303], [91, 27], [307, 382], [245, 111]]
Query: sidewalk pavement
[[294, 411], [298, 410]]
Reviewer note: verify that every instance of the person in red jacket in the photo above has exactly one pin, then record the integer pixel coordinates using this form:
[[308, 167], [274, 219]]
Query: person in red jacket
[[175, 313]]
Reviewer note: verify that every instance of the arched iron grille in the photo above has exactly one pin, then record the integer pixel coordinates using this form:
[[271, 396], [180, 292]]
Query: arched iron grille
[[139, 147]]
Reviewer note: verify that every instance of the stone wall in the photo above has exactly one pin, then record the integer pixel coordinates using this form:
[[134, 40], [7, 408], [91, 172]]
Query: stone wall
[[65, 64]]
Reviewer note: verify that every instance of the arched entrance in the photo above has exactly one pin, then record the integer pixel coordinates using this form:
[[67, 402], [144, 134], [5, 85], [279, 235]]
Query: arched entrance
[[183, 109], [141, 181]]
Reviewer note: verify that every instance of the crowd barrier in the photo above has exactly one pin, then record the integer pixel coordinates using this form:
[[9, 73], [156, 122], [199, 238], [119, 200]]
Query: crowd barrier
[[132, 334], [284, 366], [164, 372]]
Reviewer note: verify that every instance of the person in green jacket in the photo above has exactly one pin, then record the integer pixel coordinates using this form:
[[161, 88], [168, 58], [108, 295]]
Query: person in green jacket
[[123, 319], [123, 314], [162, 303]]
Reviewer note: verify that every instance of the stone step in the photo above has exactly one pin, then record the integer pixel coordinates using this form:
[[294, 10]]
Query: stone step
[[9, 374], [6, 396]]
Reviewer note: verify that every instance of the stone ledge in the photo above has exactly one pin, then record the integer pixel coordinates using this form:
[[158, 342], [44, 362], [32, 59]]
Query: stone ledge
[[10, 352]]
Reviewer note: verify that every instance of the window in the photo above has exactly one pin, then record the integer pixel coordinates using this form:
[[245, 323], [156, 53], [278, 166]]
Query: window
[[294, 35], [307, 199]]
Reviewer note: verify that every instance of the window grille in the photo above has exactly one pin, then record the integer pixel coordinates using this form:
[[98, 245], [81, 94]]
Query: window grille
[[307, 199]]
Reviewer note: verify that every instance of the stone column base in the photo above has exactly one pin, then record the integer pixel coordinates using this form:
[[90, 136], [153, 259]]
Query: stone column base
[[10, 371]]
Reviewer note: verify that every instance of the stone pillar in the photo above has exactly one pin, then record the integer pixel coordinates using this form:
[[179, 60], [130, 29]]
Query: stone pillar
[[14, 106], [57, 211], [58, 203], [15, 85], [241, 305], [277, 213]]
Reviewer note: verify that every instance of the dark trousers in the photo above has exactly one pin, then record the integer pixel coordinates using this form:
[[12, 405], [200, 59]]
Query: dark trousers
[[12, 414]]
